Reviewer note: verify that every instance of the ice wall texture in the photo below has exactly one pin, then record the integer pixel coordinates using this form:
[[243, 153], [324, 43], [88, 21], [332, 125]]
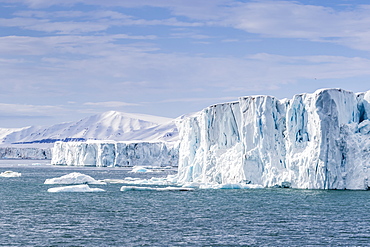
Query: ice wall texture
[[25, 153], [112, 154], [314, 141]]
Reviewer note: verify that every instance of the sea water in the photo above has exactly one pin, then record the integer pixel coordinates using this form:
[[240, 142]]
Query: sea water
[[31, 216]]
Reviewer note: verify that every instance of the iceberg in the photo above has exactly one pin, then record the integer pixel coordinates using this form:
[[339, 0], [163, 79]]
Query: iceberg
[[221, 186], [114, 154], [10, 174], [137, 181], [73, 178], [138, 188], [312, 141], [75, 188], [148, 169]]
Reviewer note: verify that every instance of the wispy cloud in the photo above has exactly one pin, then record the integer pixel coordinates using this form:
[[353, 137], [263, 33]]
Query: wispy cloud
[[30, 110], [110, 104], [279, 19], [200, 99]]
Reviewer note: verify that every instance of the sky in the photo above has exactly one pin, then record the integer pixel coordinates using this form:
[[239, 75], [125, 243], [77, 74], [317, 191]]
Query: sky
[[63, 60]]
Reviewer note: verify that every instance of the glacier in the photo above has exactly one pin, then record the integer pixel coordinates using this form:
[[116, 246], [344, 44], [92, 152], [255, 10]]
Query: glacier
[[22, 152], [115, 154], [312, 141]]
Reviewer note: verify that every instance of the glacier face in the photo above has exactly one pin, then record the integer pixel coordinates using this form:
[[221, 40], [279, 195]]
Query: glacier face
[[314, 141], [114, 154], [25, 153]]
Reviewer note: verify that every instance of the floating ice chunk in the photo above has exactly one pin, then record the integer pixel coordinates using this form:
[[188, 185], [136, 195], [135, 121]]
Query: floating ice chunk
[[114, 181], [10, 174], [139, 181], [75, 188], [150, 169], [73, 178], [138, 188], [230, 186], [140, 169]]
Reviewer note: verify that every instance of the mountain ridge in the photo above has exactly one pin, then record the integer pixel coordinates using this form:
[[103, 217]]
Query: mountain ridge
[[110, 125]]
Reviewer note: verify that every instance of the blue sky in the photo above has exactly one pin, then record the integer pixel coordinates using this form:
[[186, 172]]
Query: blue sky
[[63, 60]]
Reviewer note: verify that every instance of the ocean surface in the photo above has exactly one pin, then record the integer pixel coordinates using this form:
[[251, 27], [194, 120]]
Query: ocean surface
[[31, 216]]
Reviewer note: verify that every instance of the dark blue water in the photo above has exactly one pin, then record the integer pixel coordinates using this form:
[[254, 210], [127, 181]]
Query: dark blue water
[[30, 216]]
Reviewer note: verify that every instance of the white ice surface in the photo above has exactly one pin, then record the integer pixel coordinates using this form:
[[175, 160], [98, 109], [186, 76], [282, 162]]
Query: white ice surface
[[73, 178], [111, 154], [314, 141], [138, 188], [10, 174], [149, 169], [75, 188], [24, 152]]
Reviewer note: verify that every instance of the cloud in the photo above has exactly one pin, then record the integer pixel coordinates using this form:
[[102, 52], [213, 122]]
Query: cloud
[[103, 66], [291, 19], [347, 26], [30, 110], [87, 45], [78, 22], [110, 104], [200, 99]]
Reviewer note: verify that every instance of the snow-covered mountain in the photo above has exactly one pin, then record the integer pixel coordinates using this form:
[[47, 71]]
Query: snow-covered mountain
[[110, 125]]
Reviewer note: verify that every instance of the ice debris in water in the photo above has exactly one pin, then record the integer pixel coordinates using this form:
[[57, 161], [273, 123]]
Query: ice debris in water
[[221, 186], [73, 178], [169, 180], [75, 188], [145, 169], [10, 174], [138, 188]]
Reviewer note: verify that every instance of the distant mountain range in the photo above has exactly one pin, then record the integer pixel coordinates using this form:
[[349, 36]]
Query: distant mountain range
[[111, 125]]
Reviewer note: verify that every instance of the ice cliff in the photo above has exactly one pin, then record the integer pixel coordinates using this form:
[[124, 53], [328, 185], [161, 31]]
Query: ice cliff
[[112, 154], [25, 153], [314, 141]]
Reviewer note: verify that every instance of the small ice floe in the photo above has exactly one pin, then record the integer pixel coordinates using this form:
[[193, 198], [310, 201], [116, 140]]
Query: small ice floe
[[75, 188], [147, 169], [221, 186], [139, 169], [139, 181], [73, 178], [138, 188], [10, 174]]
